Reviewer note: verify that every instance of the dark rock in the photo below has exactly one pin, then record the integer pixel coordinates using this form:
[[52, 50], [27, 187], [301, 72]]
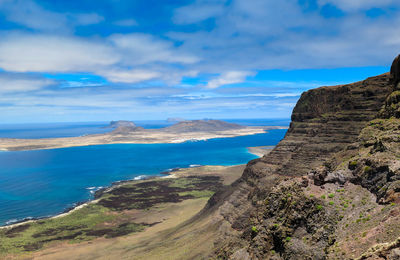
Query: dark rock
[[325, 122], [395, 71], [119, 123]]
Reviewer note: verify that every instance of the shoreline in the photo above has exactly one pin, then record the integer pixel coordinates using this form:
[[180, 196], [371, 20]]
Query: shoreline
[[260, 151], [79, 205], [172, 173], [139, 137]]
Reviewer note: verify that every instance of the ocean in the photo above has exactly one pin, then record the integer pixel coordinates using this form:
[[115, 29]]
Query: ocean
[[43, 183]]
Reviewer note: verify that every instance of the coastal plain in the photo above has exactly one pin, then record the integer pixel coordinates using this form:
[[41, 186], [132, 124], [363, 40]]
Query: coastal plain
[[138, 215]]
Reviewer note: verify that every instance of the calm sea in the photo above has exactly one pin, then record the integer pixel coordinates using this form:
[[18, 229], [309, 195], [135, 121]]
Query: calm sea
[[46, 182]]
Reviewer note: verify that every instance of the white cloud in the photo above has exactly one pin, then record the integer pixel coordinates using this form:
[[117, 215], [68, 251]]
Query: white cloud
[[261, 35], [149, 56], [130, 76], [143, 48], [229, 77], [32, 15], [12, 83], [199, 11], [48, 53]]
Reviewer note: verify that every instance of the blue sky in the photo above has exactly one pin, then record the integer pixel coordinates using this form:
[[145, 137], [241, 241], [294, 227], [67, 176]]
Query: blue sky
[[124, 59]]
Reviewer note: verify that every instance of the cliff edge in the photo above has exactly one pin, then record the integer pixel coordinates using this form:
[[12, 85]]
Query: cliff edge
[[330, 189]]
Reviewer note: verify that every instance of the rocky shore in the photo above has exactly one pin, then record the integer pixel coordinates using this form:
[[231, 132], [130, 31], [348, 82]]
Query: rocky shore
[[118, 208]]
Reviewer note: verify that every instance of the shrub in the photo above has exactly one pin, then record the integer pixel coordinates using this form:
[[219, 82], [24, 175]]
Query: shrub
[[331, 195], [331, 203], [254, 229], [352, 165], [323, 197], [288, 239], [319, 207], [367, 169]]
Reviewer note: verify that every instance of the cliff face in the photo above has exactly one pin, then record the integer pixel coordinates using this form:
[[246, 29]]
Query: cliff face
[[337, 167]]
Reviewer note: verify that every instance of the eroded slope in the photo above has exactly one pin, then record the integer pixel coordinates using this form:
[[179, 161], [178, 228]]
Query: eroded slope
[[330, 189]]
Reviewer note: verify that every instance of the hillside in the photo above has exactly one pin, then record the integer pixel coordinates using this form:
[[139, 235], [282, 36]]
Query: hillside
[[202, 126], [330, 189]]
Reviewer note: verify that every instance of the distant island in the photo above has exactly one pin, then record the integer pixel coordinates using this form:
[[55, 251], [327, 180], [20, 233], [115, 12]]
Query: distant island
[[127, 132]]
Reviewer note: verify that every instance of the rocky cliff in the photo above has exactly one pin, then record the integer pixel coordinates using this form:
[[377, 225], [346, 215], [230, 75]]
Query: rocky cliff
[[330, 188]]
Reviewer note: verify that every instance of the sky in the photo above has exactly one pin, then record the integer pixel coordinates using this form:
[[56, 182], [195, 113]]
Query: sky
[[84, 60]]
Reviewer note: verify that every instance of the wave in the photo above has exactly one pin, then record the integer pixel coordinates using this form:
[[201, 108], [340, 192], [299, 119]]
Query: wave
[[140, 177], [93, 190], [194, 165], [15, 221]]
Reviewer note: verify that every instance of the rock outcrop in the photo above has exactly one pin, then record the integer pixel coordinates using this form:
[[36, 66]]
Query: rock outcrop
[[341, 136], [395, 71], [121, 123]]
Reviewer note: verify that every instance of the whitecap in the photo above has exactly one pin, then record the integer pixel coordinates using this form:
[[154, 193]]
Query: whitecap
[[194, 165], [12, 221], [140, 177]]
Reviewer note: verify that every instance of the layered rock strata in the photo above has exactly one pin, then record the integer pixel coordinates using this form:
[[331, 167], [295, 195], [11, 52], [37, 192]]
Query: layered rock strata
[[339, 158]]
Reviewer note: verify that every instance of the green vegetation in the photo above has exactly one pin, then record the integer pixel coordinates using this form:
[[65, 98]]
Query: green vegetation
[[254, 229], [81, 225], [288, 239], [331, 195], [319, 207], [323, 197], [108, 218], [353, 165], [367, 169], [331, 203]]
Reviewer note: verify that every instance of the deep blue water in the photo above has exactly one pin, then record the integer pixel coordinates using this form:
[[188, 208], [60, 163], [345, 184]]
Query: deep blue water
[[46, 182], [77, 129]]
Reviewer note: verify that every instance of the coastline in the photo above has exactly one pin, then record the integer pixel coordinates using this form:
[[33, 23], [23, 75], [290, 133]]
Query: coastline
[[196, 170], [136, 137], [260, 151]]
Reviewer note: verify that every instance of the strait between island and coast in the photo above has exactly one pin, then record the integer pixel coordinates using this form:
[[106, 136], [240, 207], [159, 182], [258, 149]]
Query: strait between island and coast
[[126, 132]]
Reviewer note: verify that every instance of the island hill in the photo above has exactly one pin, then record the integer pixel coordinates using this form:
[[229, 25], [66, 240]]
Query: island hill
[[128, 132]]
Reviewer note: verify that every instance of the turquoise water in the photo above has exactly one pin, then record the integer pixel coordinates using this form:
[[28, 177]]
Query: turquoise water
[[46, 182]]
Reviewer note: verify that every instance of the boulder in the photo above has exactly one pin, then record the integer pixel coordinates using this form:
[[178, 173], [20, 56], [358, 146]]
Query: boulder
[[395, 71]]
